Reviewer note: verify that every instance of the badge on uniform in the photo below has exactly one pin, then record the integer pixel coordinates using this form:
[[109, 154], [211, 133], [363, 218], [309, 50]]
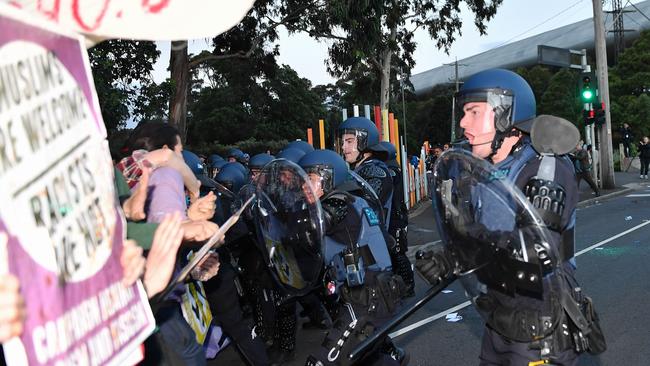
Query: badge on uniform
[[370, 214]]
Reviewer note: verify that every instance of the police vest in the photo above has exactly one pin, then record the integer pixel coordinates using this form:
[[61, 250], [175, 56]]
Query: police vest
[[374, 168], [371, 243]]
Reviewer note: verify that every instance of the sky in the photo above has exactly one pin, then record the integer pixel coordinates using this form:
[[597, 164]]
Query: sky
[[515, 20]]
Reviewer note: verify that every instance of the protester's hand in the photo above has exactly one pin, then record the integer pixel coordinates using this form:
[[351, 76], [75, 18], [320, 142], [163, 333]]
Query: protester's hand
[[132, 262], [199, 230], [134, 206], [162, 256], [203, 208], [12, 308], [207, 268]]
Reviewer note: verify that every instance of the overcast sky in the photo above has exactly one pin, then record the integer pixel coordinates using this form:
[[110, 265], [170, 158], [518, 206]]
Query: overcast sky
[[515, 20]]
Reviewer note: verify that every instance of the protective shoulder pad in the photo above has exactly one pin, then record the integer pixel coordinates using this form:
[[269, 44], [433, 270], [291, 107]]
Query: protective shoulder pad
[[549, 198], [372, 169], [335, 209]]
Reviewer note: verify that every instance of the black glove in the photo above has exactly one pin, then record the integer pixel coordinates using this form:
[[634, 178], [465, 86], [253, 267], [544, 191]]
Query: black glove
[[334, 211], [432, 266]]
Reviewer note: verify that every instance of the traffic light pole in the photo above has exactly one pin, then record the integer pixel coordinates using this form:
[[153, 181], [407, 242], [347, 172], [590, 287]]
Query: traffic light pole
[[605, 131]]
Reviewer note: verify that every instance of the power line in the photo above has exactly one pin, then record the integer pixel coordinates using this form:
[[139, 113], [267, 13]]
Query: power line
[[542, 23]]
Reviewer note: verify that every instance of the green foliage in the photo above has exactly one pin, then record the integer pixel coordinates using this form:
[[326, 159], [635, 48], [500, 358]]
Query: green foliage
[[122, 73], [630, 88], [560, 97]]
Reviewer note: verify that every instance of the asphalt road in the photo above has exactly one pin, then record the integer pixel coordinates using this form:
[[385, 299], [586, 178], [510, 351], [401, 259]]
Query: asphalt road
[[613, 246]]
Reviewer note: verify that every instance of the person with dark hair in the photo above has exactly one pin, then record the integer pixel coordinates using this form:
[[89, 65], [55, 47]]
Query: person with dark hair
[[626, 137], [166, 195], [583, 168], [644, 155]]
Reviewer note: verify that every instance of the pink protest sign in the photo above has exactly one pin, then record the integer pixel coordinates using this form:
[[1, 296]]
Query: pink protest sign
[[61, 232]]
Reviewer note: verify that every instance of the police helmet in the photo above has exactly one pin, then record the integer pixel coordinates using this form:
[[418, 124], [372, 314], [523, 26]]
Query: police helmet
[[292, 154], [365, 131], [258, 161], [218, 164], [197, 167], [213, 159], [231, 177], [237, 154], [244, 171], [301, 145], [390, 149], [508, 93], [329, 165]]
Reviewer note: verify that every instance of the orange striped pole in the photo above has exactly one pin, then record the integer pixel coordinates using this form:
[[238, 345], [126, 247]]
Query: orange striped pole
[[310, 137], [321, 132], [395, 137]]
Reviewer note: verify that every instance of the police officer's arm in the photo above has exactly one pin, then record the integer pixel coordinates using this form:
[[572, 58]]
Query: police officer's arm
[[556, 203]]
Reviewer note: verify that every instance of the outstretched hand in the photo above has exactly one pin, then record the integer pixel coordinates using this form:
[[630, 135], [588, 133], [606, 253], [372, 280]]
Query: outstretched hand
[[132, 262], [12, 308], [162, 256], [202, 208]]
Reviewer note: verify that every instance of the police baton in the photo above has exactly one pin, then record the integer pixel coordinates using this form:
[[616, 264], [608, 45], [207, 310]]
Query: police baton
[[407, 311]]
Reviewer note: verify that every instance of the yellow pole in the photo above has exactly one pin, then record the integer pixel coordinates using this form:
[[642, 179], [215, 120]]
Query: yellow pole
[[321, 131], [384, 125], [396, 140], [310, 137]]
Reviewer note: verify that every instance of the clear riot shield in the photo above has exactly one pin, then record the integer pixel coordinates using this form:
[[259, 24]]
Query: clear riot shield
[[502, 250], [289, 223]]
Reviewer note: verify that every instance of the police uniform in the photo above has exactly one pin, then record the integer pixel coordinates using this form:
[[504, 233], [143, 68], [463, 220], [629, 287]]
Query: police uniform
[[383, 181], [361, 277]]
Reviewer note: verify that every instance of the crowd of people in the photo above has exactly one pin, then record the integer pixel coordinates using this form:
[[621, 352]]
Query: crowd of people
[[248, 290]]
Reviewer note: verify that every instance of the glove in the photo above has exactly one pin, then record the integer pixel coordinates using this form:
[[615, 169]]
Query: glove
[[334, 212], [432, 266]]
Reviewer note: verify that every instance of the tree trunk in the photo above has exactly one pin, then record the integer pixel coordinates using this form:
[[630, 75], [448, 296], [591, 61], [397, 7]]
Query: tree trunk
[[178, 64], [385, 79]]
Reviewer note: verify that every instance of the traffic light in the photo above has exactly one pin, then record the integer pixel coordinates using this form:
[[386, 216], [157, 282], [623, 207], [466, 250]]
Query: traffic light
[[599, 113], [588, 88], [589, 116]]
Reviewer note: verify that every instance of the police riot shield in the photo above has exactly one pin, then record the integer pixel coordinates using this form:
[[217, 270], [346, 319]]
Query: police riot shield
[[501, 248], [289, 222]]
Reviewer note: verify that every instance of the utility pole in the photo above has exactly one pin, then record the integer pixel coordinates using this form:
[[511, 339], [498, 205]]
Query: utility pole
[[402, 77], [605, 131], [453, 100]]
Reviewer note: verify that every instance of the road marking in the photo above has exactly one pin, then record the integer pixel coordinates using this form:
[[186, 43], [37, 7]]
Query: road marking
[[429, 319], [422, 322], [639, 195], [612, 238]]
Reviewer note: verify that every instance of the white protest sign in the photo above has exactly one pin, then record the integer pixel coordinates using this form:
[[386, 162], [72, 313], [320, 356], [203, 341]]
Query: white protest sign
[[140, 19]]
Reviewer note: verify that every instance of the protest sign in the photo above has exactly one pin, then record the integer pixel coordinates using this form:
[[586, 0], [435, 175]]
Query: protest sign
[[145, 19], [60, 228]]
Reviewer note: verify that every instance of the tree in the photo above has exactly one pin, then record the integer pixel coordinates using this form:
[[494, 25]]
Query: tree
[[561, 96], [378, 34], [122, 74]]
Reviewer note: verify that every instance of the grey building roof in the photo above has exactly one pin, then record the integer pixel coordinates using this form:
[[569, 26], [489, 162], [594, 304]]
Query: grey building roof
[[576, 36]]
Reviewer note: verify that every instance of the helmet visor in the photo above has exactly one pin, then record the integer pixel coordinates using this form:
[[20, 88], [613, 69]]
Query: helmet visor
[[352, 143], [500, 101]]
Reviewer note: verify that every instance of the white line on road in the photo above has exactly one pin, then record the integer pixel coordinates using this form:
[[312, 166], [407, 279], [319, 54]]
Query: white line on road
[[422, 322], [639, 195], [612, 238]]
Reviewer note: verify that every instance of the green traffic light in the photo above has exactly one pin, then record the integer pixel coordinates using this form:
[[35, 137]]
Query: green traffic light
[[587, 95]]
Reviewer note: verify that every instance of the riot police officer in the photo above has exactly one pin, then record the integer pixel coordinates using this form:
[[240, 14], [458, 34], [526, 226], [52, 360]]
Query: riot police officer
[[528, 296], [399, 218], [357, 261], [363, 151]]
